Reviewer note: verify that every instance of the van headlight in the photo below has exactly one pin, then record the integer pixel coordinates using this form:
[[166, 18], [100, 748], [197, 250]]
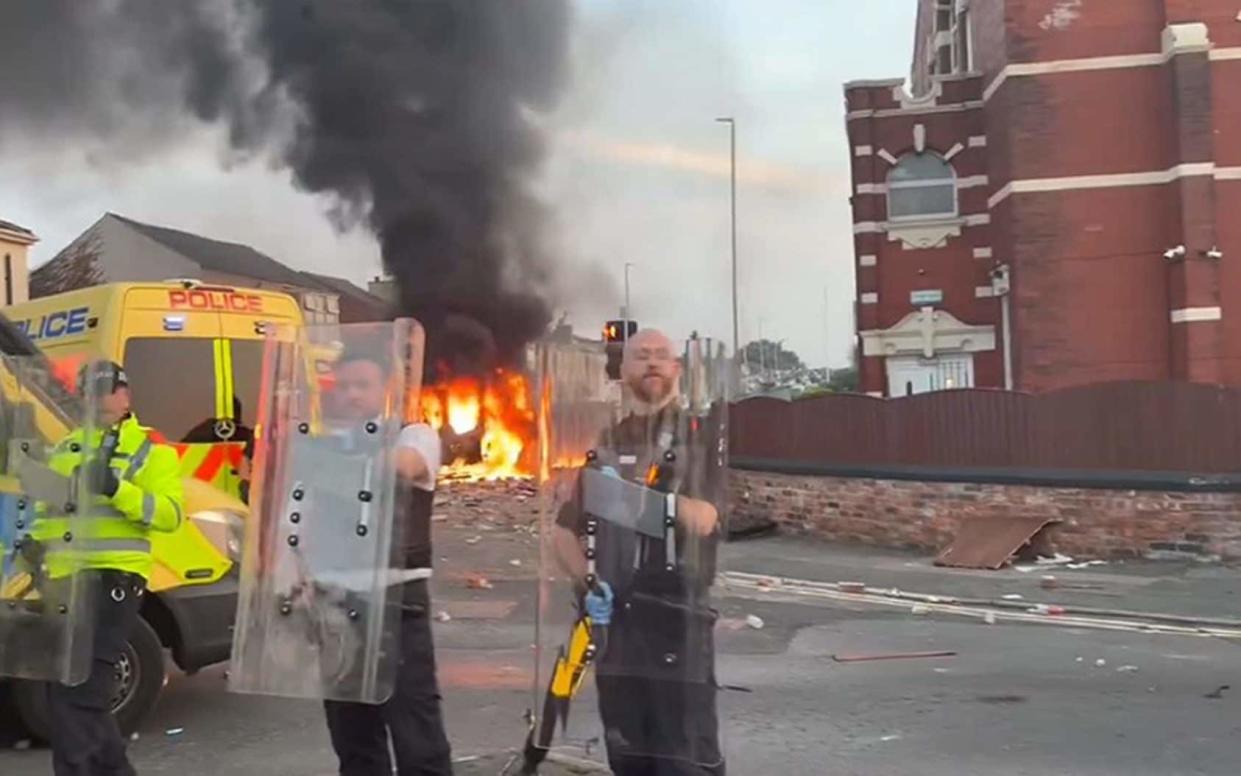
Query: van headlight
[[224, 529]]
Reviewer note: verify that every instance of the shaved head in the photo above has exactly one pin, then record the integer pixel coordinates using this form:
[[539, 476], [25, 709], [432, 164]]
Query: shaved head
[[651, 369]]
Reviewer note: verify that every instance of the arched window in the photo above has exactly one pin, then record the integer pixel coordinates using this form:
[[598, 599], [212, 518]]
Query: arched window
[[922, 186]]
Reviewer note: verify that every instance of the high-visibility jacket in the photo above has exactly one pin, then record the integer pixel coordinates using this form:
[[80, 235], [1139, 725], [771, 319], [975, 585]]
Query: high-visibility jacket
[[112, 533]]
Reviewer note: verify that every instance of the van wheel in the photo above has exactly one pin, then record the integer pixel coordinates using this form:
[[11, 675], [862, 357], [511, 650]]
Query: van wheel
[[139, 679]]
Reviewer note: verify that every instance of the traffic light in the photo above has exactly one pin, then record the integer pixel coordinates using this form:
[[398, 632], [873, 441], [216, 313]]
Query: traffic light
[[619, 331], [614, 335]]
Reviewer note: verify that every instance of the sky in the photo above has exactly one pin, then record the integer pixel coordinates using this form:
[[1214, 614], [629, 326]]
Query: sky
[[638, 171]]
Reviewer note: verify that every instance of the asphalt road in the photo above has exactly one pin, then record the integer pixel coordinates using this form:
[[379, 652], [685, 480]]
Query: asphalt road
[[1015, 699]]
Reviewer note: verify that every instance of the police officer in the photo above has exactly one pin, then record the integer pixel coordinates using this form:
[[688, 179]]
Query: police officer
[[412, 717], [135, 484], [660, 719]]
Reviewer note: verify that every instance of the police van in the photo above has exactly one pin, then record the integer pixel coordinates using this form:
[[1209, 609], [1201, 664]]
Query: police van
[[193, 354]]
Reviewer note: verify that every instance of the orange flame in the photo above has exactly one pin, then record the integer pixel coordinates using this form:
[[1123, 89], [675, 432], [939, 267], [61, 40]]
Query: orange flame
[[498, 410]]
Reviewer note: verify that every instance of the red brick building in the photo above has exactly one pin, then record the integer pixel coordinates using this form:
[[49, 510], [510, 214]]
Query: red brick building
[[1055, 200]]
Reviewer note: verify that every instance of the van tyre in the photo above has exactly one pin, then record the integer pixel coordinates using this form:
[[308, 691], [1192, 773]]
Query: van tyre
[[140, 678]]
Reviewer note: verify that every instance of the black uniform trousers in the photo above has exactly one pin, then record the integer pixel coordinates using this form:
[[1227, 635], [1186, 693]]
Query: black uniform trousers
[[412, 716], [660, 720], [86, 740]]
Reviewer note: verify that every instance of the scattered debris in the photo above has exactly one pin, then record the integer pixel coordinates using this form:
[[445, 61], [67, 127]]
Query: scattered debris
[[443, 616], [754, 621], [992, 542], [514, 562], [474, 540], [1053, 610], [174, 731], [439, 518], [890, 737], [1127, 670], [1013, 597], [133, 736], [851, 587], [989, 618], [1023, 569], [478, 582], [1218, 693], [1086, 564], [998, 699], [919, 609], [22, 745], [1100, 662], [866, 658], [1055, 560], [1081, 659]]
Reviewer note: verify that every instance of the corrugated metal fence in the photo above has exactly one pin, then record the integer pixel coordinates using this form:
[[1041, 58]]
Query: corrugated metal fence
[[1130, 426]]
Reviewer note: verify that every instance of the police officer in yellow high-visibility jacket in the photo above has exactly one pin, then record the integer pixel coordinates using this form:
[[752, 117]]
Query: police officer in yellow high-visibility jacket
[[136, 487]]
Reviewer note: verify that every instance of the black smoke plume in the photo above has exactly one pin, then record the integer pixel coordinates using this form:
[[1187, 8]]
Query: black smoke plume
[[418, 116]]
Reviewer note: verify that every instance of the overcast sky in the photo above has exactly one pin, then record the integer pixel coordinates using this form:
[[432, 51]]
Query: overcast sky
[[638, 171]]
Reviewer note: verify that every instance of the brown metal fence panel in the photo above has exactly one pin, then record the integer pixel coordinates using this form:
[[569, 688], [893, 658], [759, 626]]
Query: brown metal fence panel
[[1126, 426]]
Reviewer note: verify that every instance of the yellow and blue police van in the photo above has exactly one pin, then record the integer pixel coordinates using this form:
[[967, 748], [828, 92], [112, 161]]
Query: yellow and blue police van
[[193, 354]]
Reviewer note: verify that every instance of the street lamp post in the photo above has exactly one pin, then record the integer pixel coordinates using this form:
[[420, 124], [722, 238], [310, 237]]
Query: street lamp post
[[732, 177], [625, 333]]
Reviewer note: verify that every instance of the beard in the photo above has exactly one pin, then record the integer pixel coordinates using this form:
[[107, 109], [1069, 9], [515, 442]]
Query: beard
[[652, 388]]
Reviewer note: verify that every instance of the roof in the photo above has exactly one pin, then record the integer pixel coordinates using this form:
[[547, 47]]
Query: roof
[[12, 227], [218, 256], [20, 233]]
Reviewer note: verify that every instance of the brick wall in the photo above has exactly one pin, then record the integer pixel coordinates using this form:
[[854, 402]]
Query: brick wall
[[926, 515]]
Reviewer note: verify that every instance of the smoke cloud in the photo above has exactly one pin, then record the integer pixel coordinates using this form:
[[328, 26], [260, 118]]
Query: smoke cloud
[[420, 118]]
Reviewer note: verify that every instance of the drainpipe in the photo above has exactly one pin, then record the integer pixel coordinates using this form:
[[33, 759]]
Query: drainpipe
[[1002, 286]]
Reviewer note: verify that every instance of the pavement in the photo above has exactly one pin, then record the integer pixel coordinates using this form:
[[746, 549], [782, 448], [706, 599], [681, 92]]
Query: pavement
[[1051, 696]]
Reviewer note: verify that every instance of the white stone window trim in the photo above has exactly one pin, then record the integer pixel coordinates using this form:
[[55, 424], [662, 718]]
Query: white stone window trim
[[1197, 314]]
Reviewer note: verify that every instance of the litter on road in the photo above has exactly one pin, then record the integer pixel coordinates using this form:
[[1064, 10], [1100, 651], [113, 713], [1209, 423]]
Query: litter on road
[[867, 658], [755, 622]]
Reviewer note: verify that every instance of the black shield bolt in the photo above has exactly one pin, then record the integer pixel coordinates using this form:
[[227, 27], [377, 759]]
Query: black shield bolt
[[68, 537], [362, 530], [295, 517], [293, 540], [372, 427], [303, 427], [298, 493]]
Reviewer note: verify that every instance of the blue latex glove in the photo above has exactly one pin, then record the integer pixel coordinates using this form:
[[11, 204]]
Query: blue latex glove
[[599, 604]]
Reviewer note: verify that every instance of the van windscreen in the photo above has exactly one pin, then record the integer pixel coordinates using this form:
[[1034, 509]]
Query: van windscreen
[[173, 385]]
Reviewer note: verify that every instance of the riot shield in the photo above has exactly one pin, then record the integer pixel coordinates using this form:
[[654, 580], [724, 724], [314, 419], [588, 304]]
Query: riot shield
[[46, 603], [320, 598], [632, 522]]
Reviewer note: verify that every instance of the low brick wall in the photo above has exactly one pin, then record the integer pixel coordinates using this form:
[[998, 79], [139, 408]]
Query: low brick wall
[[925, 515]]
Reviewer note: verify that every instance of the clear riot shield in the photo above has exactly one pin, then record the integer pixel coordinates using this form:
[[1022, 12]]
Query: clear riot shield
[[46, 602], [320, 598], [634, 476]]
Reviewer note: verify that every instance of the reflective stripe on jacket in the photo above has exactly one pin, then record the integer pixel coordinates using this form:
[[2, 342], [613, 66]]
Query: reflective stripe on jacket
[[113, 533]]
